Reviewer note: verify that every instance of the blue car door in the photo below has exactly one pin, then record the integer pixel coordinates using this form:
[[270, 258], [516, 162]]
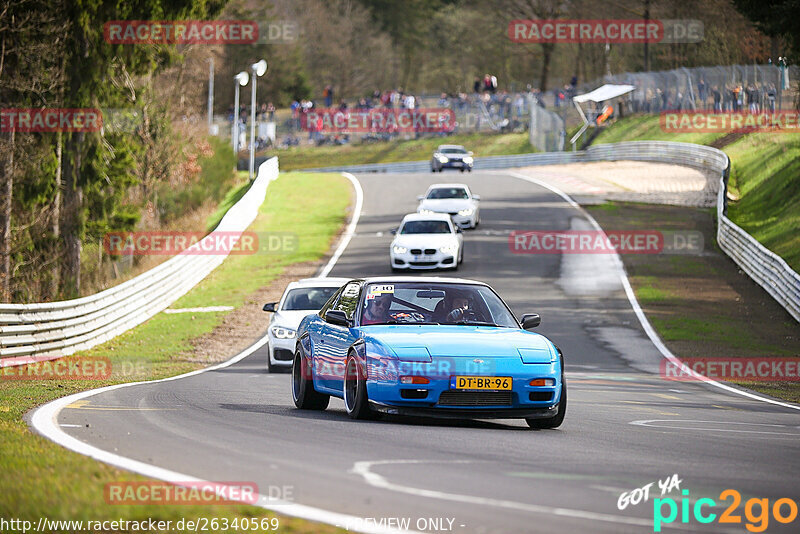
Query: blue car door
[[334, 342]]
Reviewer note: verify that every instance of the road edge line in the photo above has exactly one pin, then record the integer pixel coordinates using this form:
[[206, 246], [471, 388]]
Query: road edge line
[[637, 309], [351, 227]]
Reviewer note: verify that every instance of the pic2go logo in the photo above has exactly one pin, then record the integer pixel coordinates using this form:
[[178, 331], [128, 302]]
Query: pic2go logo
[[757, 521]]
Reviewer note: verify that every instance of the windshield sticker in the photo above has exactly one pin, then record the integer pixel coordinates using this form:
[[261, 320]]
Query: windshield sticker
[[382, 290]]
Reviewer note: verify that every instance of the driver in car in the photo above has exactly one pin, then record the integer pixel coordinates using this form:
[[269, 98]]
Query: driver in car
[[377, 310]]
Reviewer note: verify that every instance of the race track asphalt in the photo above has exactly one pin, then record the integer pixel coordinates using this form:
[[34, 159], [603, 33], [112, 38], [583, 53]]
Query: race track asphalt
[[625, 427]]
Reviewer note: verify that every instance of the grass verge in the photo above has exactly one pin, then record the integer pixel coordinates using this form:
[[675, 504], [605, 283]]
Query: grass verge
[[307, 157], [159, 347], [703, 305]]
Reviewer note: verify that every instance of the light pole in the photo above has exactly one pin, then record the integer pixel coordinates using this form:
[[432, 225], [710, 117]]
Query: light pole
[[258, 70], [210, 94], [241, 80]]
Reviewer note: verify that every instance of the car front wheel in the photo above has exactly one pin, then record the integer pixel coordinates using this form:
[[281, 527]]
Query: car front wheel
[[355, 391], [303, 393]]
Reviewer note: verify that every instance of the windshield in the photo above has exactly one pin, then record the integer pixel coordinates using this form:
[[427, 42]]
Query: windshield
[[448, 192], [452, 151], [426, 227], [434, 303], [308, 298]]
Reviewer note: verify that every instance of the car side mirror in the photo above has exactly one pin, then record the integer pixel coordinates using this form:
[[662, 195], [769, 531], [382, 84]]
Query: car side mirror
[[459, 230], [393, 231], [420, 197], [337, 317], [469, 153], [531, 321], [476, 197], [269, 306]]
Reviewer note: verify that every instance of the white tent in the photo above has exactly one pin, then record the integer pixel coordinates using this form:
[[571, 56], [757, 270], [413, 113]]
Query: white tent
[[601, 94], [606, 92]]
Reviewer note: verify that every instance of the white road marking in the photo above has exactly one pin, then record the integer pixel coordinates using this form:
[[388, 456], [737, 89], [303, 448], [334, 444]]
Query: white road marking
[[45, 422], [65, 425], [378, 481], [351, 228], [649, 423], [637, 309], [205, 309]]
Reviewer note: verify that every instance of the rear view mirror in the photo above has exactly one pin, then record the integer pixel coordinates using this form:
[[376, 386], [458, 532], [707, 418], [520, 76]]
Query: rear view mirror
[[470, 153], [531, 321], [430, 294], [459, 230], [393, 231], [270, 306], [420, 197], [476, 197]]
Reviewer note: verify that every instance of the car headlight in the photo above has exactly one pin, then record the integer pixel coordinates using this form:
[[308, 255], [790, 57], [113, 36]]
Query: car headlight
[[442, 159], [424, 211], [467, 160], [449, 249], [283, 333], [399, 250], [467, 212]]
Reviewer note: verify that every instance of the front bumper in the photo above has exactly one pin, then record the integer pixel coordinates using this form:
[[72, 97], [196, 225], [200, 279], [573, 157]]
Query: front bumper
[[281, 351], [407, 260], [454, 164], [439, 399], [460, 413]]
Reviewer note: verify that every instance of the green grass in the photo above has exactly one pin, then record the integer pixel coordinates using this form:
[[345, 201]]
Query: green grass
[[648, 128], [700, 305], [765, 175], [765, 178], [159, 348], [306, 157]]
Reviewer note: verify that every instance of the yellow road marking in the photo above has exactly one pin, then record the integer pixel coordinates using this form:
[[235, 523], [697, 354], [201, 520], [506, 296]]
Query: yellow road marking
[[84, 405]]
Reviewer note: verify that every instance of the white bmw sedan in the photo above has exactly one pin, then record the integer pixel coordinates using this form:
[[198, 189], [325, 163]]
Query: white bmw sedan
[[426, 241], [300, 298], [455, 200]]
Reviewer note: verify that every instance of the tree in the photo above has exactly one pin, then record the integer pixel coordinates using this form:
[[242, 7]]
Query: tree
[[90, 64]]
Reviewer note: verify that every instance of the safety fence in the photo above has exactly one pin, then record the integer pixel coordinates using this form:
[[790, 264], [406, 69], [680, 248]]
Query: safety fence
[[44, 331], [765, 267]]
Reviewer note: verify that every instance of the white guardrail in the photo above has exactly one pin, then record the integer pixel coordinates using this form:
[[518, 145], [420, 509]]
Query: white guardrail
[[766, 268], [45, 331]]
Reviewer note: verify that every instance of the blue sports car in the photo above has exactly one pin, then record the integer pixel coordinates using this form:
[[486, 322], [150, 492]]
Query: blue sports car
[[439, 347]]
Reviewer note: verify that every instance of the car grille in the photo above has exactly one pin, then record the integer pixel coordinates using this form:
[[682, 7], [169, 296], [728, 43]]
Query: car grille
[[453, 213], [423, 263], [416, 251], [475, 398], [430, 251]]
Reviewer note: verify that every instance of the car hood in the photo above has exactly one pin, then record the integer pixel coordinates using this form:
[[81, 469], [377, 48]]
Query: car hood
[[424, 240], [455, 341], [290, 318], [448, 205]]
